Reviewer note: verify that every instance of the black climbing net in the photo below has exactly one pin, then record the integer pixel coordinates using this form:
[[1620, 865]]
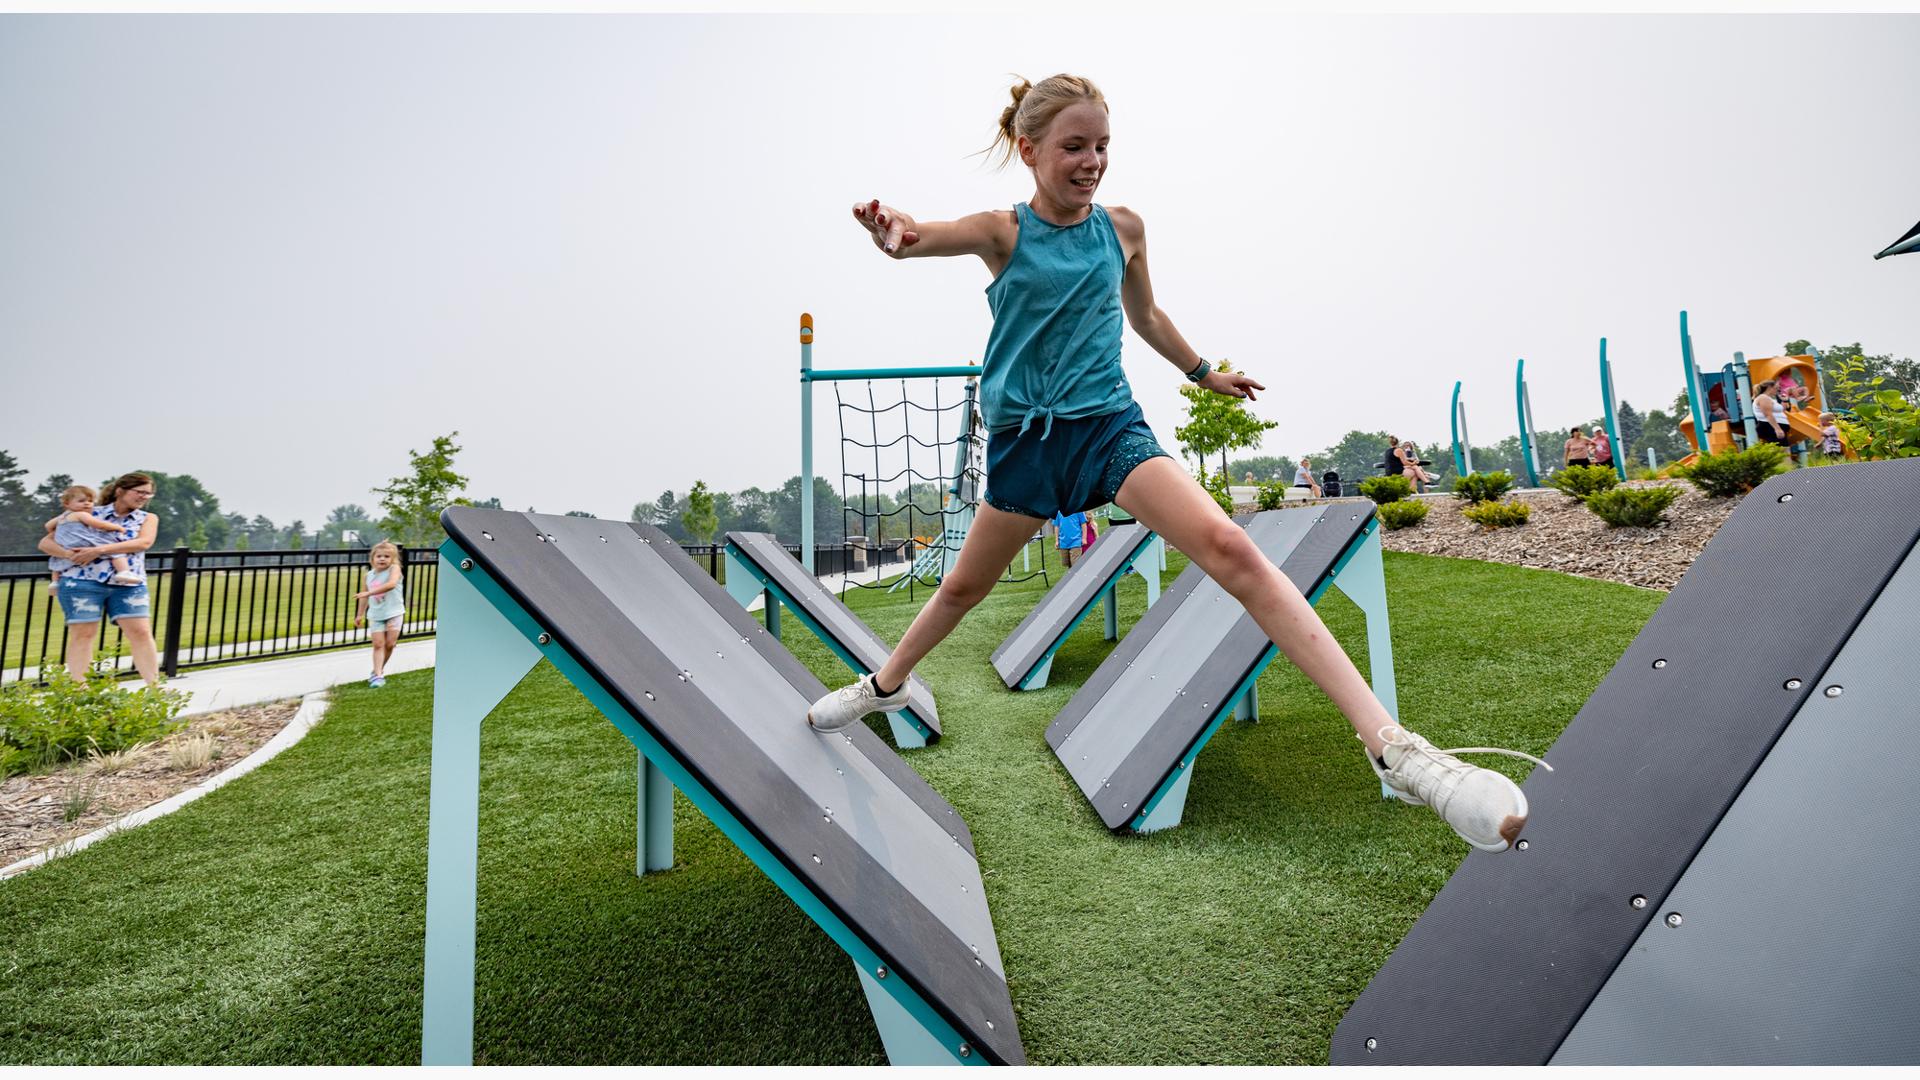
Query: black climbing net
[[909, 499]]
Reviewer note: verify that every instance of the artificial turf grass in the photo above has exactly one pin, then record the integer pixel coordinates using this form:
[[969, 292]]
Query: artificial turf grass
[[280, 920]]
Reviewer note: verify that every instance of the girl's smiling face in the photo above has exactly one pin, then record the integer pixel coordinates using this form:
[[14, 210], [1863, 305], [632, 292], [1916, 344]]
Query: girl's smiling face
[[1069, 159]]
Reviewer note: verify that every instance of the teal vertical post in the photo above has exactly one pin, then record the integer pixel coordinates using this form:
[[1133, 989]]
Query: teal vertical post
[[1462, 442], [1149, 565], [480, 657], [1613, 428], [1364, 581], [653, 834], [806, 441], [1110, 600], [1743, 387], [1525, 408], [1692, 385]]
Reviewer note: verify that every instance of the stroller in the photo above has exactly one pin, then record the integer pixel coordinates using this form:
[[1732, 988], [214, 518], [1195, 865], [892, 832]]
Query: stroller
[[1330, 484]]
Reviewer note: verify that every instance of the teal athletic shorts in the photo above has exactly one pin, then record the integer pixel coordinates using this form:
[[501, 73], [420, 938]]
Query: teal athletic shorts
[[1079, 466]]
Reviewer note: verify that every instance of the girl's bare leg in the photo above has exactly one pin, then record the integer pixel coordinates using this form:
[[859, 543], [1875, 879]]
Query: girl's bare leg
[[995, 538], [1165, 499]]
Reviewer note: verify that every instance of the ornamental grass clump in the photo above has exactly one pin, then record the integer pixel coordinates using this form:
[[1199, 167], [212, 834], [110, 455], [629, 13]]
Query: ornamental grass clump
[[1387, 489], [1498, 515], [1736, 472], [1633, 507], [1404, 514], [1577, 482], [1478, 488]]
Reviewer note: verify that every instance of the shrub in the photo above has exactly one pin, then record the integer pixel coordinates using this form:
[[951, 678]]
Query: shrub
[[1400, 515], [1642, 473], [1736, 472], [1883, 423], [1483, 487], [1498, 515], [1272, 494], [1386, 489], [66, 719], [1636, 507], [1579, 481]]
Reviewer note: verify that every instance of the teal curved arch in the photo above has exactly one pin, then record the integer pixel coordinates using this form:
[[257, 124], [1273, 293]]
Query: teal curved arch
[[1525, 409], [1613, 427]]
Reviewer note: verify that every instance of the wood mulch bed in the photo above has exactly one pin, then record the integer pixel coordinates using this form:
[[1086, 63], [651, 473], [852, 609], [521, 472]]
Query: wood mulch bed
[[35, 809], [1564, 535]]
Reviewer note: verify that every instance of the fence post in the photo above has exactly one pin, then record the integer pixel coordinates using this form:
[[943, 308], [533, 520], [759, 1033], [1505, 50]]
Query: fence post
[[176, 607]]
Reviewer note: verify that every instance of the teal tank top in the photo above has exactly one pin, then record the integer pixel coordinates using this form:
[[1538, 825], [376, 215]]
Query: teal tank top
[[1054, 352]]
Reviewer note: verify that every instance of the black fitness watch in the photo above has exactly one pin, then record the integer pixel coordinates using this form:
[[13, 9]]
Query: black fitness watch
[[1199, 373]]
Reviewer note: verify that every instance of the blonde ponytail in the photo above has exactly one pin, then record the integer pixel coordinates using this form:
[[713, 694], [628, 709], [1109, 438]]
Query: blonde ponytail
[[1034, 107]]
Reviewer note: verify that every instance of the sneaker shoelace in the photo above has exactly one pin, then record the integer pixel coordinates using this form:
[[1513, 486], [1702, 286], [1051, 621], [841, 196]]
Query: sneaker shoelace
[[1440, 765]]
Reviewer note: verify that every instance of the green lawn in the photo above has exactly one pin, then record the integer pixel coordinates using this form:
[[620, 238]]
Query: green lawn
[[280, 920]]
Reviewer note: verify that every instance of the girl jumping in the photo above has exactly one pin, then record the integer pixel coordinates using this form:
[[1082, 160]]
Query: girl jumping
[[382, 607], [1064, 435]]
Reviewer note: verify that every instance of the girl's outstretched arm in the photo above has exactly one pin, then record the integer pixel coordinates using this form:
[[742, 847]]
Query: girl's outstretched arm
[[1152, 324], [989, 234]]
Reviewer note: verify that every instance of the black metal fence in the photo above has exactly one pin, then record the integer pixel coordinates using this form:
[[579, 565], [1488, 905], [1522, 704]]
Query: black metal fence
[[216, 607]]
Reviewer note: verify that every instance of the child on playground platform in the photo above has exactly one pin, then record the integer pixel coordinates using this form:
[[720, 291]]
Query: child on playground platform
[[76, 527], [382, 607], [1064, 434]]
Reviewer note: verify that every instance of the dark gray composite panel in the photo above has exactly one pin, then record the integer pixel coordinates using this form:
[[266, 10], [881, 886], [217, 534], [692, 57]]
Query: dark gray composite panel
[[1067, 601], [1516, 945], [1796, 942], [833, 617], [728, 703], [1142, 710]]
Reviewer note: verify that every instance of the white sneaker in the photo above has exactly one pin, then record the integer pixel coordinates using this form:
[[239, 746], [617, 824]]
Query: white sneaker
[[125, 578], [1485, 808], [848, 704]]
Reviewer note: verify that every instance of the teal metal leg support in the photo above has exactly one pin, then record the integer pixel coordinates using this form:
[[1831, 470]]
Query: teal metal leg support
[[1166, 813], [742, 584], [772, 610], [653, 835], [1149, 565], [1364, 581], [907, 1040], [1248, 707], [481, 656], [1110, 600], [906, 735], [1039, 677]]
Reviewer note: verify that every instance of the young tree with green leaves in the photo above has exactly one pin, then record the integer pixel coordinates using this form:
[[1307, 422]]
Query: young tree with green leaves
[[699, 519], [413, 501], [1217, 423]]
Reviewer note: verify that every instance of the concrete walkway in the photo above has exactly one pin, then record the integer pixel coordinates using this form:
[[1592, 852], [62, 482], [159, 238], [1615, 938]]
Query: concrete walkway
[[213, 689]]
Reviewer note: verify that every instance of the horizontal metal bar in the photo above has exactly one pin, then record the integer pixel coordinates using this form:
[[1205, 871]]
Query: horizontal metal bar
[[816, 375]]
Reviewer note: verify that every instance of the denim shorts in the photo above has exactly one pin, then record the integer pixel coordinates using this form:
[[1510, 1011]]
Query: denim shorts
[[1079, 466], [83, 601]]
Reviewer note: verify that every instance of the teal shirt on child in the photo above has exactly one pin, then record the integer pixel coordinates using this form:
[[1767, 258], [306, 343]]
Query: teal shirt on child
[[1054, 352]]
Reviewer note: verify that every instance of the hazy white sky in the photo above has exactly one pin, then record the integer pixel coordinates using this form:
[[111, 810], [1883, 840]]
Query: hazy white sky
[[279, 251]]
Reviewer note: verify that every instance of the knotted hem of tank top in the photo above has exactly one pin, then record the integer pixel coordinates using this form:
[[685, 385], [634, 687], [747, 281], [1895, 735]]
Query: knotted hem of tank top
[[1038, 411]]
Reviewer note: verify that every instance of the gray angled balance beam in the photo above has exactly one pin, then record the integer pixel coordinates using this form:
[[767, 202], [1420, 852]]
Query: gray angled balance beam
[[758, 563], [1025, 658], [1130, 735], [1723, 866], [716, 708]]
